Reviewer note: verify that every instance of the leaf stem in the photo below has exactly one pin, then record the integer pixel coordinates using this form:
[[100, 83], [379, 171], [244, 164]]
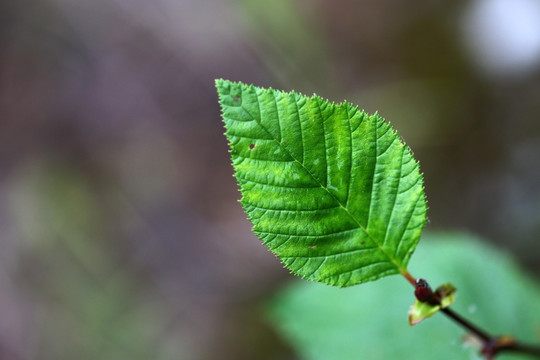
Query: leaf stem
[[492, 345], [409, 277]]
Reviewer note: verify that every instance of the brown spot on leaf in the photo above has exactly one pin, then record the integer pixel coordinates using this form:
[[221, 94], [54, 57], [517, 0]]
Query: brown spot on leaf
[[251, 146]]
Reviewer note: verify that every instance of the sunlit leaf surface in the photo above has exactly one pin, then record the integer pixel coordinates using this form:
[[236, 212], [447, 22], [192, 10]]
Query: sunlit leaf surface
[[331, 190]]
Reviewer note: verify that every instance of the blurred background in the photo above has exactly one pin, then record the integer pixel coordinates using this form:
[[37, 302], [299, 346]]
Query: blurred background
[[120, 233]]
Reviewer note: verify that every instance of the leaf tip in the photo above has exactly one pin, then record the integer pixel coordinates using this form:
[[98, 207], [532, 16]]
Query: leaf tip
[[221, 84]]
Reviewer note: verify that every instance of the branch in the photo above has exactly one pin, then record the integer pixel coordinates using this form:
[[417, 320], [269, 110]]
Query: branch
[[491, 345]]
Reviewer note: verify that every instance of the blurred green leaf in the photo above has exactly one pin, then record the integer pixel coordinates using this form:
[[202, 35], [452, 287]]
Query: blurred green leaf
[[369, 322], [420, 311], [332, 191], [447, 294]]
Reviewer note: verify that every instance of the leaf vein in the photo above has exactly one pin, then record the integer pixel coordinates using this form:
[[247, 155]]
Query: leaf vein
[[239, 178], [348, 252], [396, 194], [309, 235], [350, 159], [293, 210], [410, 216]]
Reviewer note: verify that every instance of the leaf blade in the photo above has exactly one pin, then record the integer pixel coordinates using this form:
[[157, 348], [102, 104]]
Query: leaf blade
[[321, 183]]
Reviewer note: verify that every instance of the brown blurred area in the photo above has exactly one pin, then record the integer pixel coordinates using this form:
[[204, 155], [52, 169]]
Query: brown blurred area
[[120, 233]]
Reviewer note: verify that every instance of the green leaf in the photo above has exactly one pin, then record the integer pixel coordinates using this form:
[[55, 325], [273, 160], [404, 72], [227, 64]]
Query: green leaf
[[368, 322], [447, 294], [332, 191], [422, 310]]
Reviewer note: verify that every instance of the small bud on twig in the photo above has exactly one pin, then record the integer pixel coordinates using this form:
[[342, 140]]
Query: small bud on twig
[[423, 292]]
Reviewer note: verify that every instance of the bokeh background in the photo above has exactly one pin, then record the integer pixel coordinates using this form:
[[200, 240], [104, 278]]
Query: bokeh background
[[120, 234]]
